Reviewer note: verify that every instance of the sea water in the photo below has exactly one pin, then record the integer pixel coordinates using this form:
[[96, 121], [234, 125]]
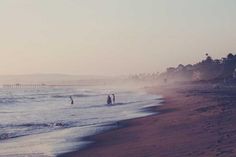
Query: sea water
[[41, 122]]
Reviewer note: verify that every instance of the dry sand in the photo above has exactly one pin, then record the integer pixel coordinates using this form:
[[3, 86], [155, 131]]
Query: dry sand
[[195, 121]]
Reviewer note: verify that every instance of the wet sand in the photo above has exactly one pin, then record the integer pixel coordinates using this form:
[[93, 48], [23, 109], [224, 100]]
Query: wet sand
[[195, 121]]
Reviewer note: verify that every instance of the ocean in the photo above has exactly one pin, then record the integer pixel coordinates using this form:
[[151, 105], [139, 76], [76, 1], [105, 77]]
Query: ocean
[[42, 122]]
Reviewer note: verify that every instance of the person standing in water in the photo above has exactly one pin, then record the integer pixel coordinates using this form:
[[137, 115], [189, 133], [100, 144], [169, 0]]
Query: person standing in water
[[109, 100], [113, 98], [72, 101]]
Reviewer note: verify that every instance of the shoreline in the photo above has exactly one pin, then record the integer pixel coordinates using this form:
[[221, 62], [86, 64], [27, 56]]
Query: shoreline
[[95, 141], [195, 121], [154, 110]]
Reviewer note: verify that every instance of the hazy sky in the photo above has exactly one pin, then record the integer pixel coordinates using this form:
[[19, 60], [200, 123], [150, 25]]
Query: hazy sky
[[104, 37]]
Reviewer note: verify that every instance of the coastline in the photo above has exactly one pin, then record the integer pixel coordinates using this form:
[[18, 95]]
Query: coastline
[[191, 123]]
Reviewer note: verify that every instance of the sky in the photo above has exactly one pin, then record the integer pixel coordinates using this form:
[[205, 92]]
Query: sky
[[112, 37]]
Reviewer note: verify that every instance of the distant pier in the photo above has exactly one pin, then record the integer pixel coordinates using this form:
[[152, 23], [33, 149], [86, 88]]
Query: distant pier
[[18, 85]]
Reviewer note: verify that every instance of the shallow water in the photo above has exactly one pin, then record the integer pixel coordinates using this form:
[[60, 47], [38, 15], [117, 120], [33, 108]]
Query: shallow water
[[42, 122]]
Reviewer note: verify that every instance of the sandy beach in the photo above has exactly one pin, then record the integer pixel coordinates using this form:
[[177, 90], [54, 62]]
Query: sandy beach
[[195, 120], [118, 78]]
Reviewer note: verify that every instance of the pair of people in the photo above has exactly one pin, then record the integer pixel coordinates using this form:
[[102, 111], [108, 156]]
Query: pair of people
[[111, 101]]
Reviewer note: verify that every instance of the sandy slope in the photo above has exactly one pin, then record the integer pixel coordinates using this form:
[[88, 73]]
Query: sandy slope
[[196, 121]]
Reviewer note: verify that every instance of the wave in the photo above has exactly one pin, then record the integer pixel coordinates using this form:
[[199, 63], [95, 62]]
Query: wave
[[7, 100], [31, 128], [24, 99], [41, 125], [76, 95], [38, 128], [11, 100], [73, 95]]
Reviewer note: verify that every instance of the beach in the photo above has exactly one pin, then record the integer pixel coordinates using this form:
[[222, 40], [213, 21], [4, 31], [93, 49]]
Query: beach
[[118, 78], [195, 120]]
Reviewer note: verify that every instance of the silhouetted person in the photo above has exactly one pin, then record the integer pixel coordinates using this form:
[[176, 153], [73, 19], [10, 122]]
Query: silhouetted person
[[113, 98], [72, 101], [109, 100]]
